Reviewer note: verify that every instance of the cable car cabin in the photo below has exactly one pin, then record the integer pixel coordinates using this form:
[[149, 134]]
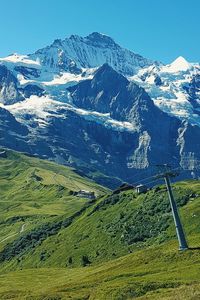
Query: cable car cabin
[[141, 189], [85, 194]]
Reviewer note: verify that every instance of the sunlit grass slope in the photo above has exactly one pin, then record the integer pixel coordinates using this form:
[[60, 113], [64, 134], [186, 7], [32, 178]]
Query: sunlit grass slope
[[120, 246], [34, 191]]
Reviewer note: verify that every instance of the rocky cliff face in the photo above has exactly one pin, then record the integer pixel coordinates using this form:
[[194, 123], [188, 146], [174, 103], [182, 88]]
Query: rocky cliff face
[[75, 102], [12, 133], [159, 137], [110, 92], [9, 92]]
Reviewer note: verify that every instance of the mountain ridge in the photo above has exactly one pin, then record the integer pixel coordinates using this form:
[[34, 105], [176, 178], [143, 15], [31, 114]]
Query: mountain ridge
[[88, 52], [101, 118]]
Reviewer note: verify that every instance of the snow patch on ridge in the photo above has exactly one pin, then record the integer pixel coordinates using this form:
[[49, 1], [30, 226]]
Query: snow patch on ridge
[[178, 65], [22, 60], [166, 86], [66, 78], [43, 107]]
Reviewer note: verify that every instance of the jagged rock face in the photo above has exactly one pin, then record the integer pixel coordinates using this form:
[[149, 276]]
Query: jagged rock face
[[12, 133], [101, 92], [90, 144], [89, 52], [189, 142], [110, 92], [193, 90], [27, 71], [9, 92], [31, 89], [8, 121], [155, 131]]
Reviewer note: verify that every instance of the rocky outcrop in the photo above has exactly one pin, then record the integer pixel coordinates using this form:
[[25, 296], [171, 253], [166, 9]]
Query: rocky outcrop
[[9, 92], [13, 134], [32, 89]]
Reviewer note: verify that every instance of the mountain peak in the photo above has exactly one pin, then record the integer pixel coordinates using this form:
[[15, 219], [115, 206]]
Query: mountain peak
[[98, 35], [180, 64], [100, 39], [105, 67], [91, 51], [94, 39], [57, 42], [107, 73]]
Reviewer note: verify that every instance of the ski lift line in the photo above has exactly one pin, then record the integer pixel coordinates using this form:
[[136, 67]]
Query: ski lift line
[[69, 177], [144, 179], [180, 169], [152, 181], [143, 172], [151, 177], [156, 179], [76, 186], [137, 182], [173, 169]]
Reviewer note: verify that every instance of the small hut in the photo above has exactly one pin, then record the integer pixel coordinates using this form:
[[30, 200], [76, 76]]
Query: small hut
[[85, 194], [141, 189]]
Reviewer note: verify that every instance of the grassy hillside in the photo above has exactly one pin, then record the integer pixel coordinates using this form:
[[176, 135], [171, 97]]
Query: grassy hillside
[[114, 225], [153, 273], [34, 192], [120, 246]]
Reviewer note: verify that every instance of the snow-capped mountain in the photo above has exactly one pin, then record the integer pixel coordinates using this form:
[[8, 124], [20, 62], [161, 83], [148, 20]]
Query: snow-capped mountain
[[93, 105], [174, 88]]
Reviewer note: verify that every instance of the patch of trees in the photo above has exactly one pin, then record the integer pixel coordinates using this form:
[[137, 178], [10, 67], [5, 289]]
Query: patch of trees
[[149, 220], [152, 218], [14, 220]]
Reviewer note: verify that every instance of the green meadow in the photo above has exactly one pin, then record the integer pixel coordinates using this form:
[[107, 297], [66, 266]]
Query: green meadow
[[54, 245]]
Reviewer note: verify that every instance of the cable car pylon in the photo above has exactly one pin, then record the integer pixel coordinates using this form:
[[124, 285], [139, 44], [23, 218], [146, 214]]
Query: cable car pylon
[[177, 221]]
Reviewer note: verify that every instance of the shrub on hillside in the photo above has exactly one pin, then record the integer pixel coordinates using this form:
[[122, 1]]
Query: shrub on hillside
[[85, 261]]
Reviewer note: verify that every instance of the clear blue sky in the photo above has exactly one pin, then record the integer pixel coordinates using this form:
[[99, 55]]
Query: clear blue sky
[[157, 29]]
